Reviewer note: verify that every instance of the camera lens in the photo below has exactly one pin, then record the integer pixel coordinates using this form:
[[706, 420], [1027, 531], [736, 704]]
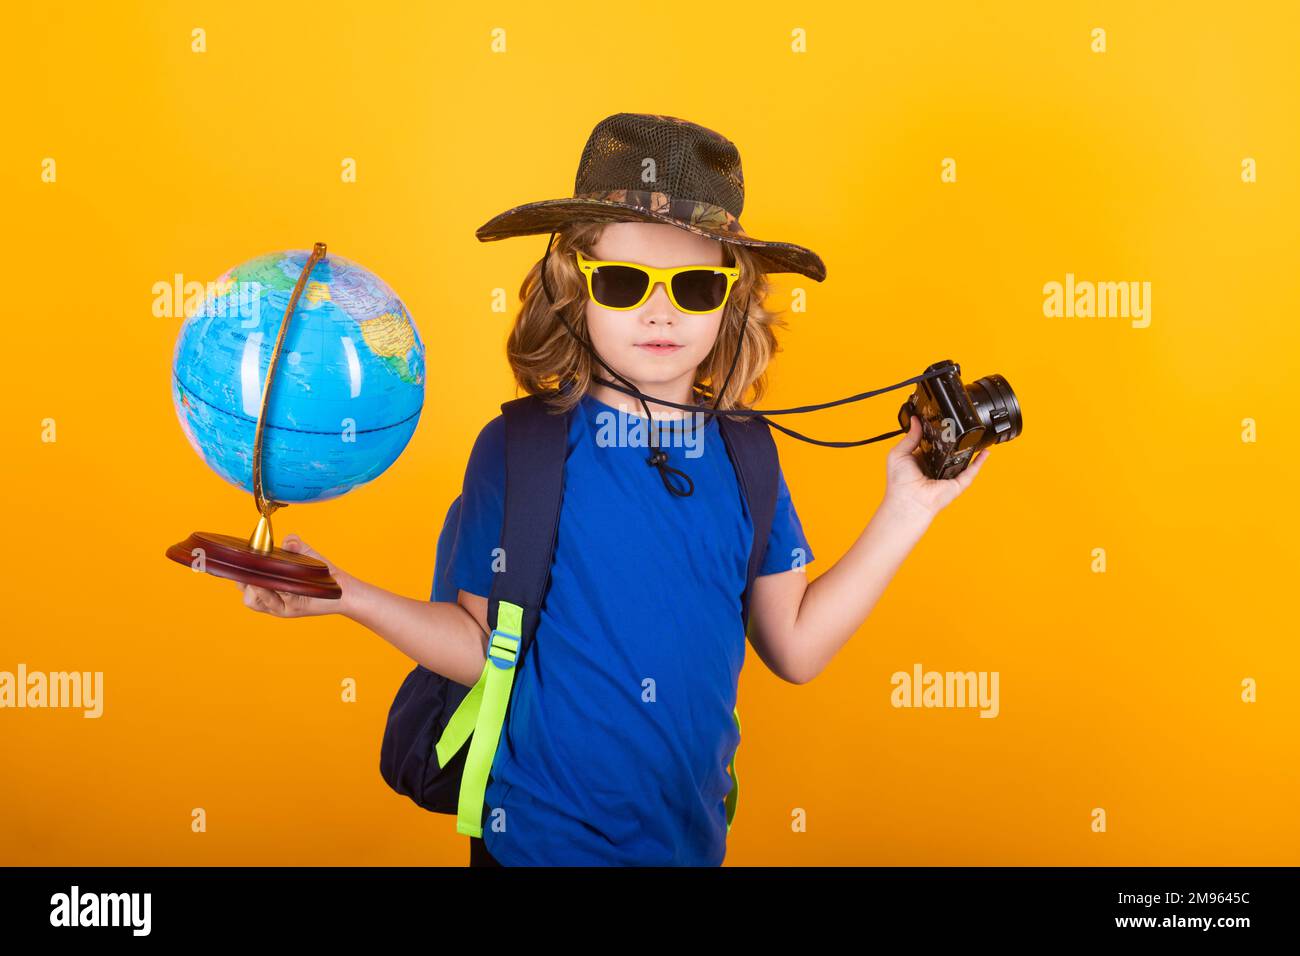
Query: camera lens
[[997, 408]]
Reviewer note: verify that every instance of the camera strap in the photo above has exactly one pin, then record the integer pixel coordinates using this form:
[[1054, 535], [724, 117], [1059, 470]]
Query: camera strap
[[762, 413], [676, 481]]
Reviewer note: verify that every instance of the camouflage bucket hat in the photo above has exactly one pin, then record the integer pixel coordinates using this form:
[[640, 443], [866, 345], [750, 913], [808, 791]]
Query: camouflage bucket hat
[[703, 189]]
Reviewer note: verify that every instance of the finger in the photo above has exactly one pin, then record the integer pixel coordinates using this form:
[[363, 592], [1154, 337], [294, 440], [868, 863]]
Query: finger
[[967, 476], [249, 597], [257, 600], [276, 601], [298, 546], [270, 601], [908, 443]]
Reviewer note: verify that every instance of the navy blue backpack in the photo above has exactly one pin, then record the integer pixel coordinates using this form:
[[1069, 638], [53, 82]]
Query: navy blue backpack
[[442, 736]]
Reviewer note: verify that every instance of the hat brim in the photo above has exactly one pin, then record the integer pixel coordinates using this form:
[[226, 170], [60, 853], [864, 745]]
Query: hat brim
[[550, 215]]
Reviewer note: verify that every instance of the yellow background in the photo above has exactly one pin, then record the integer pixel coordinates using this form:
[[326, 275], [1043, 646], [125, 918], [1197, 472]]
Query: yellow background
[[1118, 690]]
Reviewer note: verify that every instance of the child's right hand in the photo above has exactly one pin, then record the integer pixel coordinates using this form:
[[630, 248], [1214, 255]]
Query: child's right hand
[[284, 604]]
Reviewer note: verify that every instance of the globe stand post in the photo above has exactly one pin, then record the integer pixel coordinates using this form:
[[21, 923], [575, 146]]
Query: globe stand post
[[257, 560]]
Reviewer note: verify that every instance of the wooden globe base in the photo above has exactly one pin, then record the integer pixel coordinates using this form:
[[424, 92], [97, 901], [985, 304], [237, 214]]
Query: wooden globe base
[[227, 556]]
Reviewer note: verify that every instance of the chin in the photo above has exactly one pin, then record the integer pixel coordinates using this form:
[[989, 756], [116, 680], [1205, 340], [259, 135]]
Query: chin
[[659, 370], [651, 378]]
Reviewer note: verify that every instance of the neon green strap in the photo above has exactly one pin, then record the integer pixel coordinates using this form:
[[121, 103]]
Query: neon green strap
[[733, 796], [461, 724], [480, 718]]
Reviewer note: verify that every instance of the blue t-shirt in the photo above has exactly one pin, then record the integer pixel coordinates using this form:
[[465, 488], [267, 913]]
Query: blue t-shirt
[[620, 727]]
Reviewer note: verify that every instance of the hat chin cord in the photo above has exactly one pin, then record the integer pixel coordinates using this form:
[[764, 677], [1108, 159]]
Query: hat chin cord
[[672, 477]]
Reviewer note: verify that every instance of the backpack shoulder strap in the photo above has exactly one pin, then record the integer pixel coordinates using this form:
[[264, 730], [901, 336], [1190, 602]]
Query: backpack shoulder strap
[[753, 453], [536, 447]]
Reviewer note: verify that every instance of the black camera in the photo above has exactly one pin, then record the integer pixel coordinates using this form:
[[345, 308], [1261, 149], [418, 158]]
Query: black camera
[[957, 420]]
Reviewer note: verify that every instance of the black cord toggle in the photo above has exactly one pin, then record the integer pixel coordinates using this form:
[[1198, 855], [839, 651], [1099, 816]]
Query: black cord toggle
[[659, 458]]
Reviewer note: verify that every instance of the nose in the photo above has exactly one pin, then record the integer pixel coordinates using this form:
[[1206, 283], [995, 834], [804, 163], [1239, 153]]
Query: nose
[[659, 308]]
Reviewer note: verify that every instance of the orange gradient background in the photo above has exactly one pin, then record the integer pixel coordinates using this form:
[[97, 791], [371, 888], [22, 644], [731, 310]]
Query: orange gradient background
[[1119, 690]]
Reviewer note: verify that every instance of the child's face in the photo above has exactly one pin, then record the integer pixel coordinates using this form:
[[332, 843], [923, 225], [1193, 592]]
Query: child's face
[[619, 336]]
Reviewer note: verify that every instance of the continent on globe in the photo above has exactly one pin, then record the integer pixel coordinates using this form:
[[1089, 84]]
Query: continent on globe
[[391, 337]]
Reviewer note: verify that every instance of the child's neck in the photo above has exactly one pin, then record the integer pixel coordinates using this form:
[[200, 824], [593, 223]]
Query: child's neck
[[679, 391]]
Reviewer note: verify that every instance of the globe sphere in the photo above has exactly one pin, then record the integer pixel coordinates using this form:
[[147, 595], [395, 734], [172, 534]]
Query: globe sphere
[[349, 384]]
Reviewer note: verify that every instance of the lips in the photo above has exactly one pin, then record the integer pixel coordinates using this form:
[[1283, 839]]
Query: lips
[[659, 346]]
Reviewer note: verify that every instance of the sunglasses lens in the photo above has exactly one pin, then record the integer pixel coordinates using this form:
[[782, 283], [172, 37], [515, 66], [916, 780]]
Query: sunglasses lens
[[700, 290], [618, 287]]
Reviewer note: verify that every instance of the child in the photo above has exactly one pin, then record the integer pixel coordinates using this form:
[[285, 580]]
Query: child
[[620, 725]]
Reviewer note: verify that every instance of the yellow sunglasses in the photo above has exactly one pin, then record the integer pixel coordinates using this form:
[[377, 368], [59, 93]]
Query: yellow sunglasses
[[623, 286]]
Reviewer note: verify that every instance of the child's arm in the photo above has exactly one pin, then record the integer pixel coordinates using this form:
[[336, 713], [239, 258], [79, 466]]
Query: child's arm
[[449, 639], [797, 626]]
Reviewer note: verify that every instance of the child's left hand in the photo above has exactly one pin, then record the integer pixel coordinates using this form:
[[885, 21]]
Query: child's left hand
[[908, 488]]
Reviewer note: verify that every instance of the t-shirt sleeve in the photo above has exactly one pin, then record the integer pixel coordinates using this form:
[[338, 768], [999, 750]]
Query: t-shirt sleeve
[[482, 509], [787, 547]]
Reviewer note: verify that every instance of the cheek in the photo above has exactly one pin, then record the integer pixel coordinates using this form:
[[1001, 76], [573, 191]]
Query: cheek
[[599, 327], [707, 334]]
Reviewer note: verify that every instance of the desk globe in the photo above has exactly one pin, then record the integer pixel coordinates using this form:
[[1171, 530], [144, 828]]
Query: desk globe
[[300, 378]]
